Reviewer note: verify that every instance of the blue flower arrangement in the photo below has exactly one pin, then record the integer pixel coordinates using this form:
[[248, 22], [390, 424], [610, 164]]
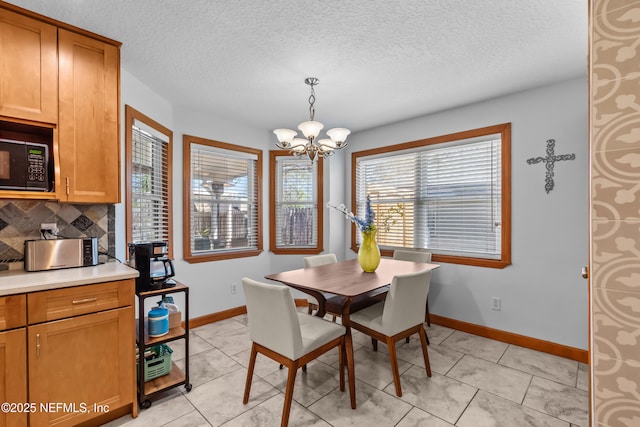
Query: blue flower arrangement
[[364, 225]]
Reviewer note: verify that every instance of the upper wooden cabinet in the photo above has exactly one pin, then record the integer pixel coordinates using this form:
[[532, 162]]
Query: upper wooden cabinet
[[28, 68], [56, 76], [89, 149]]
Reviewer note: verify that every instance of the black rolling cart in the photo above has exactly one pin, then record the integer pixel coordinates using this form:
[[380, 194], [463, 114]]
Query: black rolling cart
[[161, 373]]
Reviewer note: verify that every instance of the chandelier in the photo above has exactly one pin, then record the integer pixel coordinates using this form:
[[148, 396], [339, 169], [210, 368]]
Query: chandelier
[[310, 145]]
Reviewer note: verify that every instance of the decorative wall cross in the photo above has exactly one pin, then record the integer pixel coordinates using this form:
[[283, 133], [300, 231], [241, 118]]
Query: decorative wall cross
[[550, 161]]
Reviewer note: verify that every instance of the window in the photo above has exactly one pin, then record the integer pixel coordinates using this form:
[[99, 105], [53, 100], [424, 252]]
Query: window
[[148, 179], [296, 204], [448, 194], [222, 209]]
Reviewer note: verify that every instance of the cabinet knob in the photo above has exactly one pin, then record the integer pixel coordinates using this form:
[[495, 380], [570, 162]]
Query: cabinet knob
[[585, 272], [38, 345]]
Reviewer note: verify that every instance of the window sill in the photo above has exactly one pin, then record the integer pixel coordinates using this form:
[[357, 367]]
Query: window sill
[[193, 259]]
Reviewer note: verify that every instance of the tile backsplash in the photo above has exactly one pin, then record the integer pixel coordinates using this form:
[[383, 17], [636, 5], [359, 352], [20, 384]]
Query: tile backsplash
[[20, 220]]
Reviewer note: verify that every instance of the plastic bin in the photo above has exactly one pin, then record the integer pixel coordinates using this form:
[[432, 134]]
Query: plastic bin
[[159, 365]]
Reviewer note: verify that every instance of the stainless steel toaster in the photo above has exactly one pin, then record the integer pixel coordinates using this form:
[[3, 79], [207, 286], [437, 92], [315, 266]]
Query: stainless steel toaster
[[60, 253]]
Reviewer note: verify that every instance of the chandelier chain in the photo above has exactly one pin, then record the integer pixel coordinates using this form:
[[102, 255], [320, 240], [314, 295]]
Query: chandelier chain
[[312, 101]]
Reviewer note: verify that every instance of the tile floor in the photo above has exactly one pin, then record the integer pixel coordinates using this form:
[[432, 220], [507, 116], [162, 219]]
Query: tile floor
[[476, 382]]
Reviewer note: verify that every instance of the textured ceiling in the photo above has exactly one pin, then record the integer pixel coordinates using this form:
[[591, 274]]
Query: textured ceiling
[[378, 61]]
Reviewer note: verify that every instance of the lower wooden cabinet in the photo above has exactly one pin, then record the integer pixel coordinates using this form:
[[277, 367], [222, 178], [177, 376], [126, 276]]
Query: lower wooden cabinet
[[83, 362], [13, 368]]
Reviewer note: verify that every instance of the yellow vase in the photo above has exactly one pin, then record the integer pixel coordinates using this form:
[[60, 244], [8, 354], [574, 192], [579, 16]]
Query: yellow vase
[[369, 253]]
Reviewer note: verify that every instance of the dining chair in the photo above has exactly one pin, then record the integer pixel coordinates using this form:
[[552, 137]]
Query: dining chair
[[291, 338], [415, 256], [400, 315], [316, 261], [335, 303]]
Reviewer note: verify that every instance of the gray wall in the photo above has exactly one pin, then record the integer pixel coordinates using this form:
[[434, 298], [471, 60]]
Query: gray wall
[[542, 293]]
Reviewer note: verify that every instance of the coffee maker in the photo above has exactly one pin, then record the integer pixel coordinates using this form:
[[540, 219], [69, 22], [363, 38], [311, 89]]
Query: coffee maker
[[151, 261]]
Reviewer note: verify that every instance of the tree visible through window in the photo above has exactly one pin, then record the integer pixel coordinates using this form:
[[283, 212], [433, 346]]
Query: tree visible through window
[[296, 204], [449, 194], [222, 200]]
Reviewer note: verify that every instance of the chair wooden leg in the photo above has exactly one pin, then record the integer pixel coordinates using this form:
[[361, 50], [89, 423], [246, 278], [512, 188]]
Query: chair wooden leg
[[407, 339], [311, 306], [427, 317], [425, 353], [252, 363], [374, 344], [341, 364], [333, 318], [304, 368], [394, 365], [288, 394]]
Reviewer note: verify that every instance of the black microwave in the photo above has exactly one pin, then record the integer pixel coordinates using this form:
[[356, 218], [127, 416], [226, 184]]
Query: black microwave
[[24, 165]]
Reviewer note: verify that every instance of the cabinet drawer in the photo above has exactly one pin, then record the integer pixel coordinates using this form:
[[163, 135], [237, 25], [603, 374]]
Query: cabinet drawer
[[13, 311], [68, 302]]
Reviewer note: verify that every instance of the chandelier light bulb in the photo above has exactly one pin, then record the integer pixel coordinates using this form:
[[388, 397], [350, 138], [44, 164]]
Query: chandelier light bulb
[[339, 136], [298, 144], [285, 135], [310, 129]]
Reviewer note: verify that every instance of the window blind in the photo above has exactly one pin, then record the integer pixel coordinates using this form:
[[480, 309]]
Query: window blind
[[223, 200], [444, 198], [150, 185], [296, 202]]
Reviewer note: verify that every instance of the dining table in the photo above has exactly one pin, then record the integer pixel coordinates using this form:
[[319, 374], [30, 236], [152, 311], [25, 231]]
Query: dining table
[[346, 279]]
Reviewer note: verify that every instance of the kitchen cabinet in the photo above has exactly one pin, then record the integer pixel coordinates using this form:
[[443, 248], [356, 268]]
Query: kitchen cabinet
[[56, 76], [28, 68], [13, 359], [176, 376], [89, 148], [81, 352]]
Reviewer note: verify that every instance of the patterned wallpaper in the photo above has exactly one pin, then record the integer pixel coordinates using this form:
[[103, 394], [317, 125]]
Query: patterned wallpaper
[[615, 214], [20, 220]]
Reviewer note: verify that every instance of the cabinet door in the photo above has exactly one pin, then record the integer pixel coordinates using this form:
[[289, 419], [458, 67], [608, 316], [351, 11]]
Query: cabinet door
[[13, 375], [89, 147], [86, 362], [28, 68]]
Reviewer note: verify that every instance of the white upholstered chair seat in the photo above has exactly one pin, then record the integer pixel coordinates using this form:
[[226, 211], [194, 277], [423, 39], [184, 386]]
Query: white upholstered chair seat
[[316, 332], [371, 317]]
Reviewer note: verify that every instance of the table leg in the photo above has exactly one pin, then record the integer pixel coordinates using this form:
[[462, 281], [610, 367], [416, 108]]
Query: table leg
[[348, 348], [322, 310]]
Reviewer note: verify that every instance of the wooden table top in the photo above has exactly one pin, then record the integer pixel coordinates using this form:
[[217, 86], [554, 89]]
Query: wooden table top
[[346, 278]]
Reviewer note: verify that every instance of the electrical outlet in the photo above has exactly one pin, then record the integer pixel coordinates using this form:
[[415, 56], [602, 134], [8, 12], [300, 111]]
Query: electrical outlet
[[234, 287], [48, 226], [495, 303]]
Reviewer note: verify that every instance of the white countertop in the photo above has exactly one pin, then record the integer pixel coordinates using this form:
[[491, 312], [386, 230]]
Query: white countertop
[[20, 281]]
